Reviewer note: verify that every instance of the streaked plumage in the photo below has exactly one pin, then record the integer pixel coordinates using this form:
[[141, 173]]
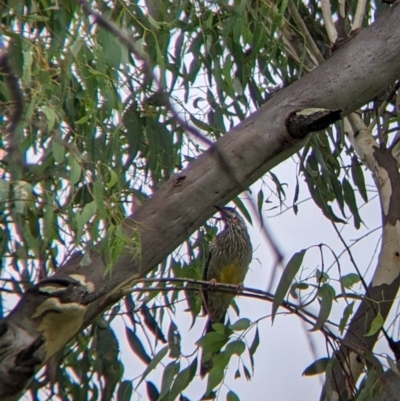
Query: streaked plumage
[[228, 262]]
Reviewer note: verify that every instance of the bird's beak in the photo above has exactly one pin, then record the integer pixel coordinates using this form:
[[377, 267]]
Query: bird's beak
[[221, 211]]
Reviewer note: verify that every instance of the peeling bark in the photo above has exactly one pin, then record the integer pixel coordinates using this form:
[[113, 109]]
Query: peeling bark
[[356, 347]]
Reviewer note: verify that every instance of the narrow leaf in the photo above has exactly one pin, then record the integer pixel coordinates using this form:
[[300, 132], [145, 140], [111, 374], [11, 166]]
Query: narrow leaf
[[124, 391], [285, 282], [239, 204], [350, 200], [260, 201], [154, 362], [75, 170], [152, 324], [358, 178], [348, 311], [317, 367], [152, 391], [326, 294], [137, 346], [182, 380], [256, 342], [169, 373], [376, 325]]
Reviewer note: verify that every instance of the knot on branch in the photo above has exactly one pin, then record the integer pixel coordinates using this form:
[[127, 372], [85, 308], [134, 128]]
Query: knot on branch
[[72, 288], [300, 123]]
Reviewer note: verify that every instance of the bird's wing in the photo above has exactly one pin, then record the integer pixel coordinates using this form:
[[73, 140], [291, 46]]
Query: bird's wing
[[206, 266], [204, 293]]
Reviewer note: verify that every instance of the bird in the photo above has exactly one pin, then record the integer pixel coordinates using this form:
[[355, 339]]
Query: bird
[[228, 262]]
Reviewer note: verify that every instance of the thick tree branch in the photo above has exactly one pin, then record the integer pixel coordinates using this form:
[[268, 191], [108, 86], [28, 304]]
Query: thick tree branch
[[54, 311], [381, 292]]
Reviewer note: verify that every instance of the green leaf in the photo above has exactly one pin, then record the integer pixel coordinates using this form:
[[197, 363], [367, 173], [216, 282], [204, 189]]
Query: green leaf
[[247, 373], [348, 311], [134, 127], [214, 378], [89, 211], [202, 125], [392, 365], [111, 48], [174, 341], [287, 277], [260, 202], [349, 280], [212, 342], [22, 192], [317, 367], [297, 287], [239, 204], [4, 192], [50, 116], [58, 151], [152, 324], [279, 186], [326, 294], [48, 216], [153, 142], [98, 196], [322, 277], [154, 362], [253, 347], [15, 55], [350, 200], [376, 325], [183, 379], [82, 218], [358, 177], [240, 325], [113, 178], [137, 346], [235, 347], [231, 396], [169, 373], [124, 391], [75, 170], [256, 342], [152, 391], [83, 120]]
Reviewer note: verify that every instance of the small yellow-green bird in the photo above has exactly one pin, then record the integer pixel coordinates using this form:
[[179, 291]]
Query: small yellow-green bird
[[228, 262]]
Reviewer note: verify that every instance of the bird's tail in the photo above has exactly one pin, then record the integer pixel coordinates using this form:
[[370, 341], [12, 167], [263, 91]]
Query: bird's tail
[[207, 360]]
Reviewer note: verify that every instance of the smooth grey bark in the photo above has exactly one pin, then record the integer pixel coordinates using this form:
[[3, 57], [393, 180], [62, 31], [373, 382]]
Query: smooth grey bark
[[56, 309]]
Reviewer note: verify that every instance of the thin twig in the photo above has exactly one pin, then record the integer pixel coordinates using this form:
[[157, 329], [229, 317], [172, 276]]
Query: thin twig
[[222, 288], [328, 20], [310, 43], [359, 16]]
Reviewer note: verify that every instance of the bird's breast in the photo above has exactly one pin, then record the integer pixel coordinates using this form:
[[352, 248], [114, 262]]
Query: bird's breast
[[231, 274]]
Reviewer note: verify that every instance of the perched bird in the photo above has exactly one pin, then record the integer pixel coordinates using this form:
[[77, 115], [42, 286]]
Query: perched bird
[[228, 262]]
